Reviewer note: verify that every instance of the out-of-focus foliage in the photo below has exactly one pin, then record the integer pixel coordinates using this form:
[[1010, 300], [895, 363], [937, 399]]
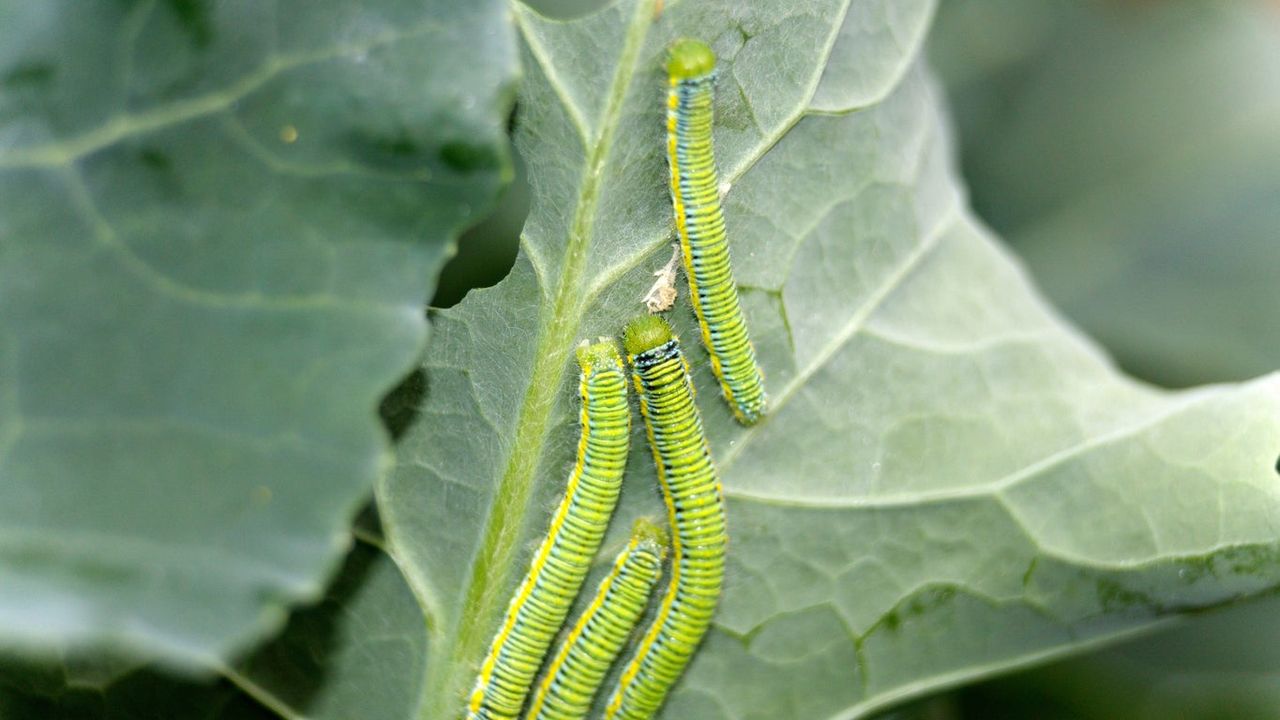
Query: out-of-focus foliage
[[1130, 151], [219, 223]]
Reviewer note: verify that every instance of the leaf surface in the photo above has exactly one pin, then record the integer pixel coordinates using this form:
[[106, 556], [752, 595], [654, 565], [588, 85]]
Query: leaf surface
[[952, 482], [219, 223]]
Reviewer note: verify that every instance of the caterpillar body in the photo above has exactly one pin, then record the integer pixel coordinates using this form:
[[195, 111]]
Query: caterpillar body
[[576, 671], [695, 196], [559, 566], [695, 508]]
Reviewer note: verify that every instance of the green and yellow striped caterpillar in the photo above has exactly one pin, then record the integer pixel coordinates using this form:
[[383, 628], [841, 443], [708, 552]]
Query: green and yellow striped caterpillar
[[576, 671], [695, 195], [560, 565], [695, 507]]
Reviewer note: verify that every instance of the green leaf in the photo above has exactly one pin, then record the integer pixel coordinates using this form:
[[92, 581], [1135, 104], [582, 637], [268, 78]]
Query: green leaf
[[952, 482], [219, 222], [1134, 168]]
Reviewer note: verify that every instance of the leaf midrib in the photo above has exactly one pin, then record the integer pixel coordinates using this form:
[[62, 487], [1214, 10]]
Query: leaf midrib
[[557, 324]]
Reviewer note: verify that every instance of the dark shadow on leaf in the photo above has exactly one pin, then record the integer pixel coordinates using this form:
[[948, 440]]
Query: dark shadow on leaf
[[84, 690], [295, 666], [400, 407], [487, 251]]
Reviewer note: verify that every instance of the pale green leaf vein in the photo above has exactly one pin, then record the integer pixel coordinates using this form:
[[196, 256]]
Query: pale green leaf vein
[[552, 73], [120, 127]]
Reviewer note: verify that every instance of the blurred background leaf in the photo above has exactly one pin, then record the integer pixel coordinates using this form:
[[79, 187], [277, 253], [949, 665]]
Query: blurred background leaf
[[219, 223], [1129, 152]]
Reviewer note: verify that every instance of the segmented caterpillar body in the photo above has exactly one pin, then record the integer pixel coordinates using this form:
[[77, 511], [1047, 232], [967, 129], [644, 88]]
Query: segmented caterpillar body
[[576, 671], [695, 195], [558, 568], [695, 507]]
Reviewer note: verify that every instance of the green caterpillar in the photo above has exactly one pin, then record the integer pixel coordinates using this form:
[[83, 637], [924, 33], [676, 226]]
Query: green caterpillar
[[695, 507], [560, 564], [695, 195], [579, 666]]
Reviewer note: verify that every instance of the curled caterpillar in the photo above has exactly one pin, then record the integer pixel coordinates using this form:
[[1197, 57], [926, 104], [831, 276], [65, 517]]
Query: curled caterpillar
[[695, 508], [695, 196], [558, 568], [578, 667]]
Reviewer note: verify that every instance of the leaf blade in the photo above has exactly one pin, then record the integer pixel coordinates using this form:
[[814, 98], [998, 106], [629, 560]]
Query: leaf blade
[[221, 225]]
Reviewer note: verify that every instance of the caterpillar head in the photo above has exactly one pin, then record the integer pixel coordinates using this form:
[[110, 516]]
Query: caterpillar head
[[690, 58], [646, 333], [648, 533]]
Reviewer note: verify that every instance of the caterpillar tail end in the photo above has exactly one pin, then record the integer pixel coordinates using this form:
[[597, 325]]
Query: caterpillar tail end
[[749, 414]]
